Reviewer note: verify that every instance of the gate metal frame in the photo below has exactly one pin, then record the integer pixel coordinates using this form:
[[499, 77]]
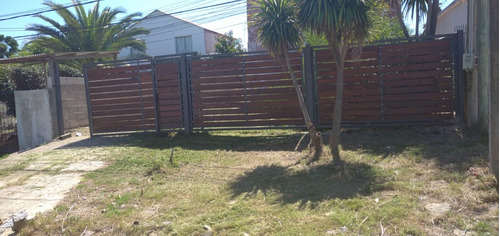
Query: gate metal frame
[[309, 79]]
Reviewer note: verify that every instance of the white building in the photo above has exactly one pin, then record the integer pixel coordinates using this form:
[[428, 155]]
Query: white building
[[172, 35], [452, 18]]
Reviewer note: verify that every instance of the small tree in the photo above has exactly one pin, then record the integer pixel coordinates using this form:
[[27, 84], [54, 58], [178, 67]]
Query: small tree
[[344, 23], [8, 46], [228, 44], [278, 31]]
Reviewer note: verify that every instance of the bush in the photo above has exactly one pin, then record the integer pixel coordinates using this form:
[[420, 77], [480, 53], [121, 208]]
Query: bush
[[28, 78], [7, 96], [66, 71]]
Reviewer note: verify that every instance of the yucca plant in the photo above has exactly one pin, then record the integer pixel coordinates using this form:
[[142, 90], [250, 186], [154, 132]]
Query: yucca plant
[[278, 32], [344, 23]]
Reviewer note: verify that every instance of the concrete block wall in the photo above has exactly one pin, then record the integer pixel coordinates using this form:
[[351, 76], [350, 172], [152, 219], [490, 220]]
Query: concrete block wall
[[74, 102]]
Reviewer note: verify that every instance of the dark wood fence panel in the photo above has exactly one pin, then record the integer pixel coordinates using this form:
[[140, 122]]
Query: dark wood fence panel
[[361, 100], [121, 98], [418, 81], [387, 84], [168, 95], [407, 82], [247, 90]]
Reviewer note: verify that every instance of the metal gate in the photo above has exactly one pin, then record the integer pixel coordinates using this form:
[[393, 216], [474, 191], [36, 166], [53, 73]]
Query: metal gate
[[390, 83]]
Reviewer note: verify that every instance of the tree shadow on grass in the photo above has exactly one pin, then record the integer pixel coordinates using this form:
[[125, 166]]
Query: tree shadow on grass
[[308, 187], [198, 141]]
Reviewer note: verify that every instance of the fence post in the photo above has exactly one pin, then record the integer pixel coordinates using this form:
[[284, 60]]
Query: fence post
[[381, 83], [308, 72], [155, 96], [459, 76], [57, 86], [87, 93], [185, 95]]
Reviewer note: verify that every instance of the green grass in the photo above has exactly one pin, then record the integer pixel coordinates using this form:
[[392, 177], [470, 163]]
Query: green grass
[[252, 182]]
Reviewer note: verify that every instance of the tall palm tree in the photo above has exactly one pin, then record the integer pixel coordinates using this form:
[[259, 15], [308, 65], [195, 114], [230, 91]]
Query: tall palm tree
[[344, 23], [94, 30], [278, 32], [415, 8]]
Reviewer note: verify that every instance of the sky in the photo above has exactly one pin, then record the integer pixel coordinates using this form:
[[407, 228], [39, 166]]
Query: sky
[[221, 18]]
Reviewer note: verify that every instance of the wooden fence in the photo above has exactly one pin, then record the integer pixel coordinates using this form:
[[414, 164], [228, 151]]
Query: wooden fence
[[386, 84], [411, 82]]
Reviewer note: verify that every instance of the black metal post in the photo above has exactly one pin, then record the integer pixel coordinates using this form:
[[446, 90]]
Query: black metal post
[[459, 77], [87, 93], [309, 82], [381, 88], [185, 95], [155, 97], [57, 83]]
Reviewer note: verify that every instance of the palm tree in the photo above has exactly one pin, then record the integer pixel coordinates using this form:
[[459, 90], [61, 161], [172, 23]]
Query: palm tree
[[344, 23], [415, 8], [399, 13], [278, 32], [94, 30]]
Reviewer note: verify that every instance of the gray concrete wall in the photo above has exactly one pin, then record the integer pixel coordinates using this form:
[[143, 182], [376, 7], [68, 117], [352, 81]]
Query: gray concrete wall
[[74, 102], [34, 118]]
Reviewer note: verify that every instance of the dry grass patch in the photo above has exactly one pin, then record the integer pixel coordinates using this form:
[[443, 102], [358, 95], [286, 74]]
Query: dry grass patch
[[395, 182]]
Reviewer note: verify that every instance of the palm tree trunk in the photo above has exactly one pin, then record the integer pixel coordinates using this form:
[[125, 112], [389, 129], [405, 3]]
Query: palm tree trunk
[[417, 21], [313, 135], [337, 111], [400, 18], [434, 14]]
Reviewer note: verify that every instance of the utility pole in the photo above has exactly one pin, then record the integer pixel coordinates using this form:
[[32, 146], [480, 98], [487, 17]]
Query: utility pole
[[483, 36], [493, 91]]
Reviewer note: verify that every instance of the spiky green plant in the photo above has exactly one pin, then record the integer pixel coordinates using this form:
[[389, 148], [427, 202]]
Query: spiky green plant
[[344, 23], [278, 31]]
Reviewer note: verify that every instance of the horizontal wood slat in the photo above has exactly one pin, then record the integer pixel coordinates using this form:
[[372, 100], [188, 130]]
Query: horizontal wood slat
[[405, 82]]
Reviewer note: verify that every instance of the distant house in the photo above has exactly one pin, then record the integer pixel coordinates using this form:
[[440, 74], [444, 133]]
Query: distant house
[[453, 18], [172, 35]]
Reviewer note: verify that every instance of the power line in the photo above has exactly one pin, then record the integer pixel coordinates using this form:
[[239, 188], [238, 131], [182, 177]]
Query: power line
[[40, 12], [178, 12], [29, 11]]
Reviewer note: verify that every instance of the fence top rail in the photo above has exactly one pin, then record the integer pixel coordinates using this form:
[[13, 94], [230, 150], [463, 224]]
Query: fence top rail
[[399, 41], [126, 62], [236, 54]]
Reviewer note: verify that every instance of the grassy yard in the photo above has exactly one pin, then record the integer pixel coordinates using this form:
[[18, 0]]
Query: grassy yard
[[426, 181]]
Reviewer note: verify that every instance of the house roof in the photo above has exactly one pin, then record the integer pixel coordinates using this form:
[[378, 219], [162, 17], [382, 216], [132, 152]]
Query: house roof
[[189, 22], [450, 7], [58, 56]]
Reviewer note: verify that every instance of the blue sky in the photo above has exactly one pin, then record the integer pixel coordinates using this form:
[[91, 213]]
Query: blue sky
[[233, 19], [207, 18]]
